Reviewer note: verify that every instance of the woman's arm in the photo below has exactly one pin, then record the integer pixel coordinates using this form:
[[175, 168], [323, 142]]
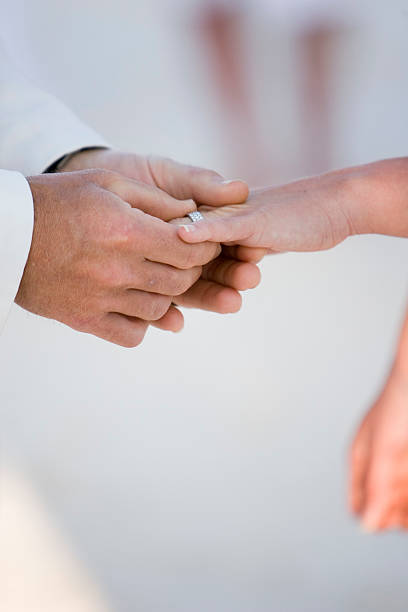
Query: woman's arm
[[315, 213]]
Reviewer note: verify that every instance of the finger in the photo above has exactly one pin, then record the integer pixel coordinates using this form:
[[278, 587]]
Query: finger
[[173, 321], [231, 273], [163, 279], [150, 199], [141, 304], [215, 228], [160, 243], [206, 295], [205, 186], [120, 329], [242, 253]]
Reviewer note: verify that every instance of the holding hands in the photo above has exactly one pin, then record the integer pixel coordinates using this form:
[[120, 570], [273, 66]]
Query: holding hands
[[113, 252], [103, 258]]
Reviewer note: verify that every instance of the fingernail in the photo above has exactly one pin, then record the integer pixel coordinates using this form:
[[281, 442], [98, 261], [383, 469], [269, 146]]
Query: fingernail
[[227, 182], [189, 228]]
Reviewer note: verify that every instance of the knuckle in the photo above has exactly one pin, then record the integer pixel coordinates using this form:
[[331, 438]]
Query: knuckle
[[158, 308], [186, 280], [109, 276], [189, 258], [204, 253], [180, 283], [203, 173], [120, 236], [126, 230]]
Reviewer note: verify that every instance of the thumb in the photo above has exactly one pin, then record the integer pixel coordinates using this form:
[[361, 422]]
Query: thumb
[[204, 186], [150, 199], [216, 227]]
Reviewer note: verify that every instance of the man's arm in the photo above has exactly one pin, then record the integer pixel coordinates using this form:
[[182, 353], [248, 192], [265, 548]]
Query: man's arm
[[35, 130]]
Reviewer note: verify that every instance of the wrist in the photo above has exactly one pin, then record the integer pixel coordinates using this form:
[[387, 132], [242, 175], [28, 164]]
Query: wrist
[[76, 160], [375, 197]]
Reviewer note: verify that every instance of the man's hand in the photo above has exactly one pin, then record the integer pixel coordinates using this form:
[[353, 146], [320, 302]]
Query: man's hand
[[100, 262], [217, 289], [181, 181], [379, 460]]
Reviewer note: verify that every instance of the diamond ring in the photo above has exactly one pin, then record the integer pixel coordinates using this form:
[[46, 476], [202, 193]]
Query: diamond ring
[[196, 216]]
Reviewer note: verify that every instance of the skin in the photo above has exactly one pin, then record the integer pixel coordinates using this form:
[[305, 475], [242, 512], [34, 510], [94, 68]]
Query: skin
[[234, 270], [313, 214], [378, 487], [101, 259]]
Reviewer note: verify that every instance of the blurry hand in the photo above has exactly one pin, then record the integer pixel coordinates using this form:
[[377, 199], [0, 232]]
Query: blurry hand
[[379, 460], [101, 261], [235, 270]]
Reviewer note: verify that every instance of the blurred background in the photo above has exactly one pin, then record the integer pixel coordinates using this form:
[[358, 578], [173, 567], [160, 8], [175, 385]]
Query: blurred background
[[207, 470]]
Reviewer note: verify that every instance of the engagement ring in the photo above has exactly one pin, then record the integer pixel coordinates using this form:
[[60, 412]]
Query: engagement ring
[[195, 216]]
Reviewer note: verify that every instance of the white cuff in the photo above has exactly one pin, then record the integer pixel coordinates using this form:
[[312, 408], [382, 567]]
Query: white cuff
[[16, 229]]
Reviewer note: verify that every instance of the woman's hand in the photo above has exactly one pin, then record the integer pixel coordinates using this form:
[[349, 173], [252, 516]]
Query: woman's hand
[[315, 213], [378, 489], [307, 215], [379, 455]]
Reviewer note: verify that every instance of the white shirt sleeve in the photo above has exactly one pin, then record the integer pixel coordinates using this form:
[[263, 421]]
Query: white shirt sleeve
[[36, 129], [16, 227]]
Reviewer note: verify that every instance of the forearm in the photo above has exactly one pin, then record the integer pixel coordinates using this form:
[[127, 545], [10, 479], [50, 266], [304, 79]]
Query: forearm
[[375, 197]]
